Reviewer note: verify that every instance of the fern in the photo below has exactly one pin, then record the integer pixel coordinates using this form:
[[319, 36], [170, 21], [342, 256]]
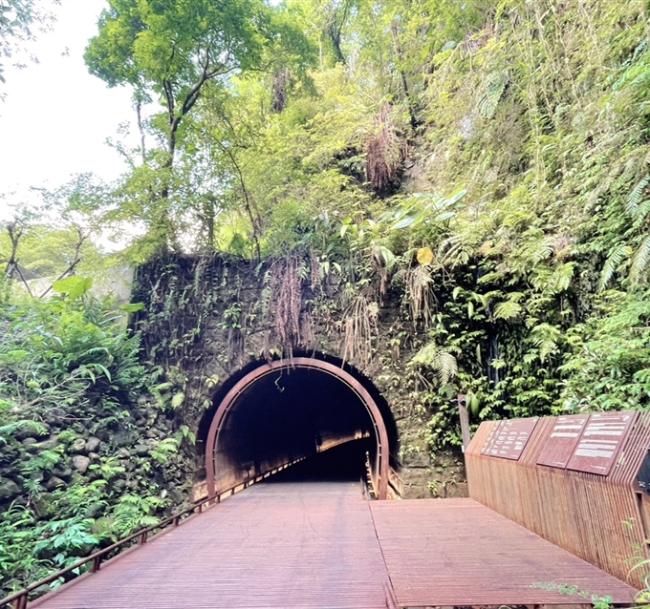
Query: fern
[[641, 214], [495, 86], [509, 309], [35, 427], [560, 279], [640, 261], [67, 535], [443, 363], [617, 255], [545, 337], [162, 451], [635, 197], [538, 247]]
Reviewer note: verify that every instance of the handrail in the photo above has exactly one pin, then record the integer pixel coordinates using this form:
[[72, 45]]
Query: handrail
[[21, 597], [371, 486]]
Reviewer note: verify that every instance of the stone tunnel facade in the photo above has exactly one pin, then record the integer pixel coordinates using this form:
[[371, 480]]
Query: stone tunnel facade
[[209, 321]]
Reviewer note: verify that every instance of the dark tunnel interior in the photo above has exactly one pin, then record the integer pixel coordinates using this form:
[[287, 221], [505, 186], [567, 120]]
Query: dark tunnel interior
[[293, 413], [341, 463]]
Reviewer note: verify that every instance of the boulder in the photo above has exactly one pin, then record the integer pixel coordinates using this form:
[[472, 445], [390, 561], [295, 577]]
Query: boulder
[[8, 489], [78, 446], [49, 444], [92, 444], [61, 471], [27, 431], [30, 443], [141, 450], [53, 483], [80, 463]]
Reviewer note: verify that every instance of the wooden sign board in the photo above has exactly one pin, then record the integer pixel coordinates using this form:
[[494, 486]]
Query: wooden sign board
[[601, 441], [562, 441], [510, 438]]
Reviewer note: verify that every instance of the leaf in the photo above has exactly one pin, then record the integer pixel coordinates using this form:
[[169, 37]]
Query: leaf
[[636, 196], [73, 287], [132, 307], [178, 399], [495, 86], [507, 310], [384, 256], [617, 255], [442, 362], [424, 256], [640, 261], [404, 222], [473, 403]]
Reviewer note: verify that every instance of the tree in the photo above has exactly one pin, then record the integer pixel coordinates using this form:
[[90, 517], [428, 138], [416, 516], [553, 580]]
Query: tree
[[169, 51], [17, 21], [53, 240]]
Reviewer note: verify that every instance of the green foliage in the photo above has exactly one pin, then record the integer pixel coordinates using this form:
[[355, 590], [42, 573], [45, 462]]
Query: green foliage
[[608, 367], [73, 287], [18, 20], [164, 450], [173, 53], [479, 166], [68, 369], [131, 513]]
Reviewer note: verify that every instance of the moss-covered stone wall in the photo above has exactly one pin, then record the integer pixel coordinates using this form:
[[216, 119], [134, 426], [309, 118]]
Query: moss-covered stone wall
[[205, 319]]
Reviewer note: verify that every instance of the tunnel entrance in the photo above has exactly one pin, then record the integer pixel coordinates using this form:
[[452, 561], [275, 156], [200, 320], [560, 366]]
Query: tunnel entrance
[[286, 410]]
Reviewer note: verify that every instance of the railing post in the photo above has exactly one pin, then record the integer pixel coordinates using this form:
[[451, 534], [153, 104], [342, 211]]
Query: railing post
[[143, 537], [97, 563], [463, 414], [21, 602]]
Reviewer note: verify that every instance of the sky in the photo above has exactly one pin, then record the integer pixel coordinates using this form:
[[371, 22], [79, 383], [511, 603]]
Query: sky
[[55, 116]]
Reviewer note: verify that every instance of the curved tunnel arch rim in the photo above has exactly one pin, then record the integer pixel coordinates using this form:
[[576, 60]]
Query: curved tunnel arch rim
[[229, 400]]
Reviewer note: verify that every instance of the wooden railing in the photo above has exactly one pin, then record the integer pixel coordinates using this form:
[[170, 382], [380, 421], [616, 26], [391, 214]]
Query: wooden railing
[[21, 597]]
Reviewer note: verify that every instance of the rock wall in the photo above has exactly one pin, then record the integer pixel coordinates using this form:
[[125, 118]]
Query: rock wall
[[206, 319], [56, 453]]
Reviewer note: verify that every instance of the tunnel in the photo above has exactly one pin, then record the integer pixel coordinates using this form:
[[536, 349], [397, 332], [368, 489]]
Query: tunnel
[[283, 411]]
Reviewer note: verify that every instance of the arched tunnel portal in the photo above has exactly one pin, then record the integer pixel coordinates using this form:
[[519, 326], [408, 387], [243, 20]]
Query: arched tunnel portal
[[284, 410]]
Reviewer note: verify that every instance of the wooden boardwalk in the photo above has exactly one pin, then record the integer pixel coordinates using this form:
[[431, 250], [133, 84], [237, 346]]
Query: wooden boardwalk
[[442, 552], [321, 545]]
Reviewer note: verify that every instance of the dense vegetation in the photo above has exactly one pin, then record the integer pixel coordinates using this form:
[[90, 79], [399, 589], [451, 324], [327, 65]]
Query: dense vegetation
[[76, 467], [489, 160]]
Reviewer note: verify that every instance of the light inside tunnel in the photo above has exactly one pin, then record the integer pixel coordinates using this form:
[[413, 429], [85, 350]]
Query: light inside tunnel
[[296, 412]]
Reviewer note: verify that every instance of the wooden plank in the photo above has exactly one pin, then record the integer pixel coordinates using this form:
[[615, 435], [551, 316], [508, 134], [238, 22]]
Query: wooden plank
[[457, 552], [273, 546]]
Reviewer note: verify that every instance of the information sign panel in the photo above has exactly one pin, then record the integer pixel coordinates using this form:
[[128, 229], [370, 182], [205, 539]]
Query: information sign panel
[[489, 447], [601, 442], [564, 437], [510, 439]]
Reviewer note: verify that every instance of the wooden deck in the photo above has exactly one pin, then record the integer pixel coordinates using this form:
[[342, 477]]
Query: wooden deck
[[443, 552], [323, 546]]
